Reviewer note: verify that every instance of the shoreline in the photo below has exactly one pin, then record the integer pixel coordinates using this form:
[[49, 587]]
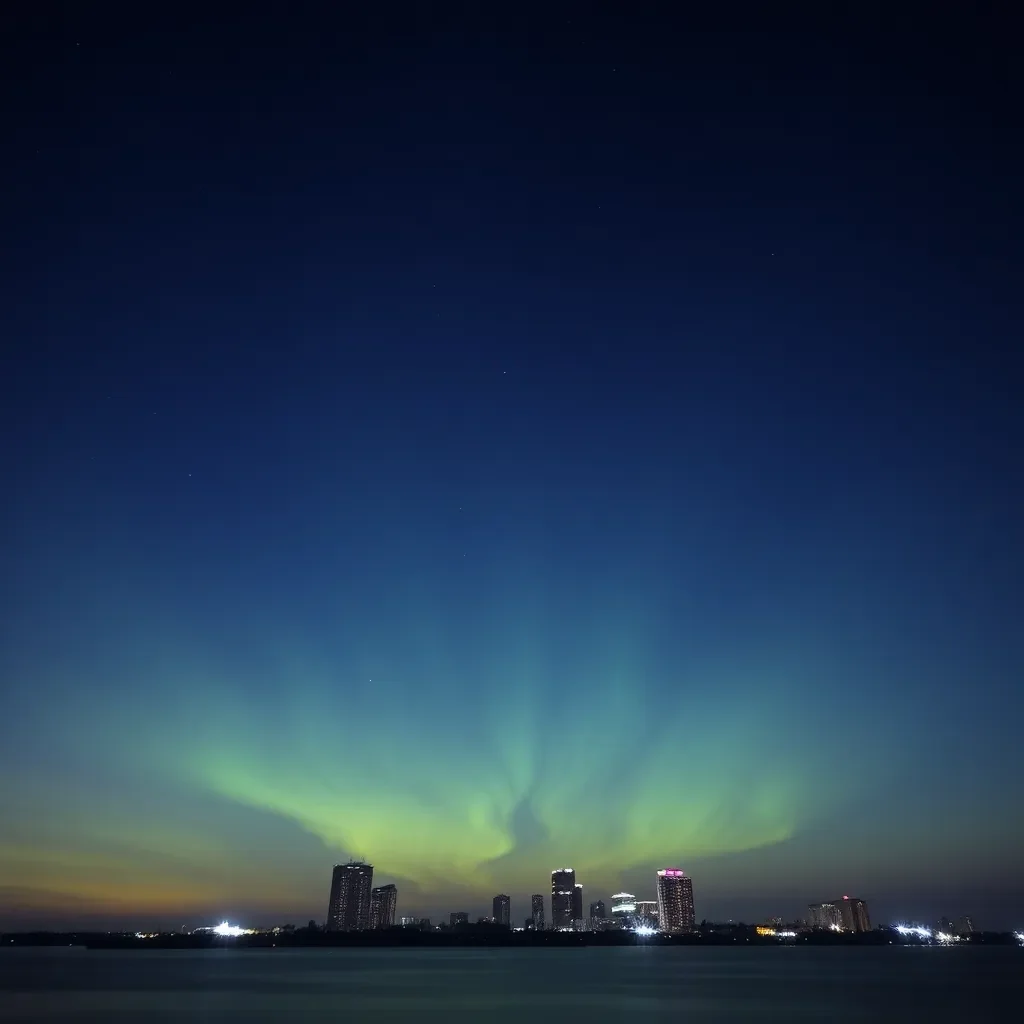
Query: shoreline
[[400, 938]]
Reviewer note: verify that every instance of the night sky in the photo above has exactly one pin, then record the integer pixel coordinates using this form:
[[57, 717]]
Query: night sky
[[488, 441]]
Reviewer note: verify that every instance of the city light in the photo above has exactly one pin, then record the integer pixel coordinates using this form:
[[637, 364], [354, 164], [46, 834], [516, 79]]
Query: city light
[[230, 930], [1019, 936], [914, 929], [644, 929]]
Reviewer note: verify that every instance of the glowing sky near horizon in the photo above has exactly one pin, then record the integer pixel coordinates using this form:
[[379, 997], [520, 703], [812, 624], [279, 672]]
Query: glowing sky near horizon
[[483, 479]]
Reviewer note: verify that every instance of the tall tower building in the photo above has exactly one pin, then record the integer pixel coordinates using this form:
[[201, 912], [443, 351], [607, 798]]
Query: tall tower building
[[382, 906], [623, 909], [563, 884], [598, 918], [577, 905], [675, 901], [537, 908], [349, 908], [824, 916], [501, 910], [853, 914], [647, 913]]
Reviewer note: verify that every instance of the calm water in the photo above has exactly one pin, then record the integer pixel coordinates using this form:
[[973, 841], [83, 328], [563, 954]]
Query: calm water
[[525, 986]]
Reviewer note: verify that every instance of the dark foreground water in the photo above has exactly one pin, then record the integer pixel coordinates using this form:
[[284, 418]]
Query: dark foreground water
[[526, 986]]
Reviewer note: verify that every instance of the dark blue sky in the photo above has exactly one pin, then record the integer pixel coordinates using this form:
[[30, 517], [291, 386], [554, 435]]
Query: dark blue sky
[[487, 442]]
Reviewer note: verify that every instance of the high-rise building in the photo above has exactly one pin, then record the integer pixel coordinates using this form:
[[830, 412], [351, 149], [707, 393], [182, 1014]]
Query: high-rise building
[[382, 906], [349, 908], [824, 916], [647, 913], [501, 910], [847, 914], [853, 914], [537, 907], [458, 917], [563, 885], [675, 901], [577, 906], [623, 909], [597, 911], [964, 926]]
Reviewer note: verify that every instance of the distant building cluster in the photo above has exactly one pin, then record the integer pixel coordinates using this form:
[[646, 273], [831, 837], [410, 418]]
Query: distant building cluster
[[672, 911], [356, 905], [843, 915]]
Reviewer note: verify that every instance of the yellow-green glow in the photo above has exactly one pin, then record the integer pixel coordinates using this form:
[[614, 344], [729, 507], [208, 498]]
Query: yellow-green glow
[[500, 810]]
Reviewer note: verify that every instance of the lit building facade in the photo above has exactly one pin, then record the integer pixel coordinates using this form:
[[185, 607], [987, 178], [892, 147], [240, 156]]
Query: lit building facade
[[623, 909], [563, 887], [675, 901], [501, 910], [537, 909], [853, 915], [824, 917], [647, 913], [382, 906], [847, 914], [577, 907], [349, 907], [597, 912]]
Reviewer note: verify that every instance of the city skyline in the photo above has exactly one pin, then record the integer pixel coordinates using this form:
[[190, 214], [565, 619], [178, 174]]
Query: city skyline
[[475, 444], [354, 906], [671, 913]]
